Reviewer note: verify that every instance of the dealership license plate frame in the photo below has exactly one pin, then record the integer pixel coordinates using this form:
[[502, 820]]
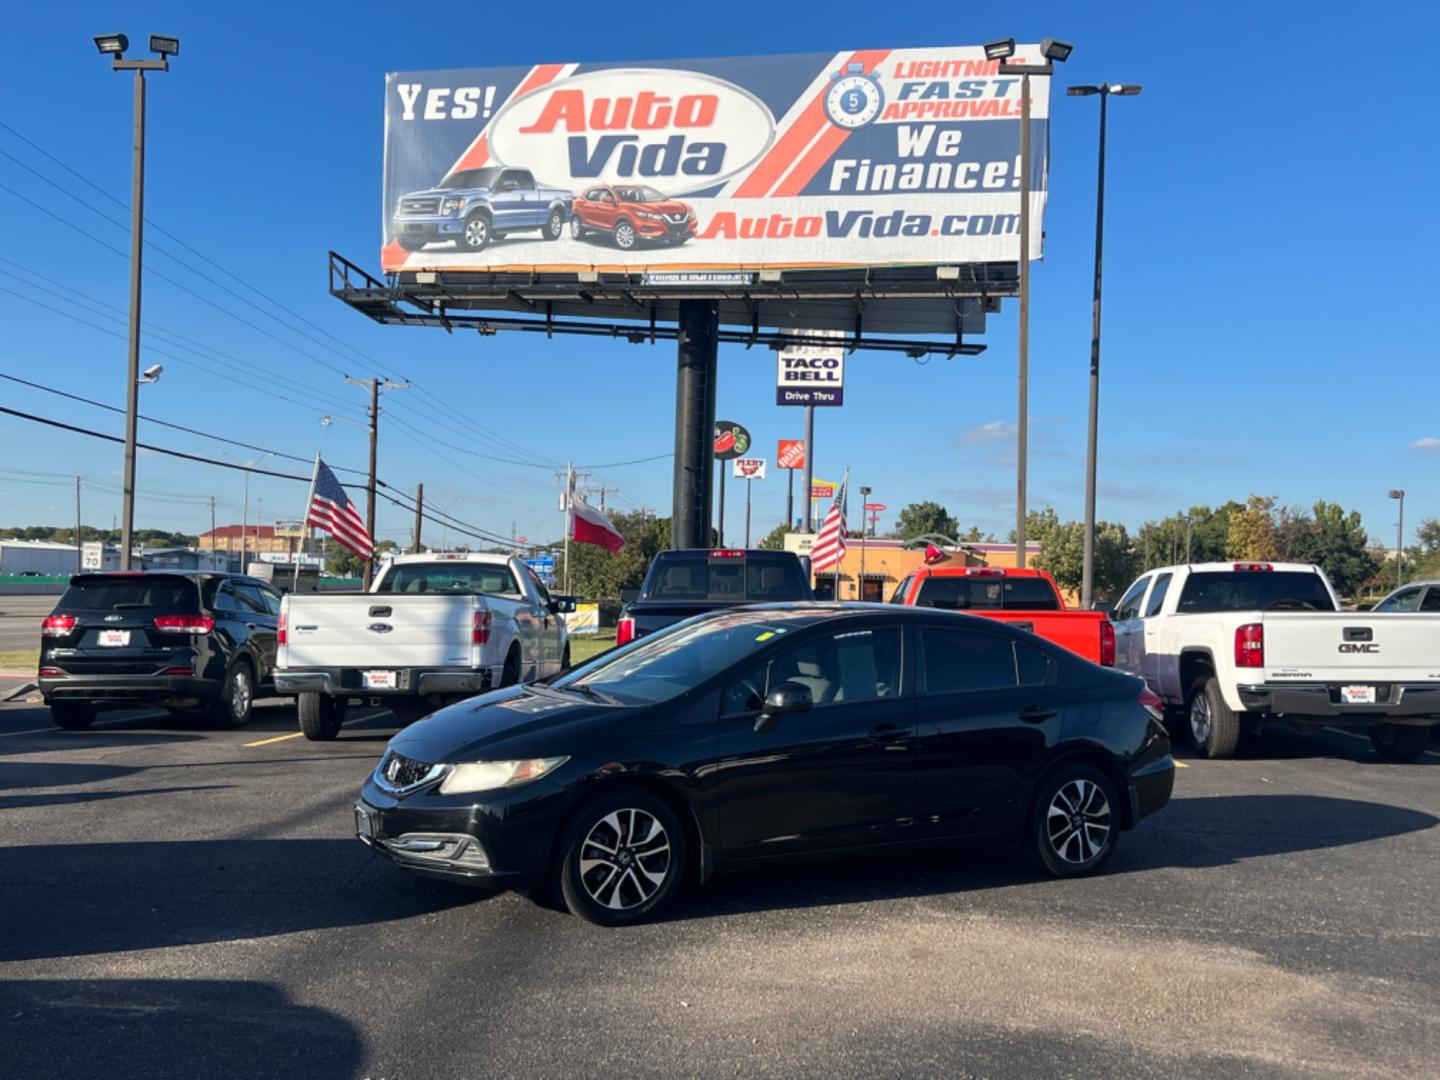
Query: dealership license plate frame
[[114, 639], [380, 679], [1357, 694]]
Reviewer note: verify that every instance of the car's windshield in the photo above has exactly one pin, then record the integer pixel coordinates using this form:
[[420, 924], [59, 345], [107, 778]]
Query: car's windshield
[[678, 658], [453, 578], [1253, 590], [966, 593], [642, 193], [699, 577], [470, 178]]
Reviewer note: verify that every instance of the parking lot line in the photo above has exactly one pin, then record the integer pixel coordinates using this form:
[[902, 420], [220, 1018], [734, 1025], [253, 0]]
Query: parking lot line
[[1181, 765], [277, 738]]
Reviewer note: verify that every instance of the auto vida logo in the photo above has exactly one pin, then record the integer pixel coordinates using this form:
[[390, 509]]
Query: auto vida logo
[[1359, 647], [678, 130]]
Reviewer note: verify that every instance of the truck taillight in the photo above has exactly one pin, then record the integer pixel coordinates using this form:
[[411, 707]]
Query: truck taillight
[[282, 631], [184, 624], [727, 553], [1107, 644], [984, 571], [625, 631], [1253, 566], [1250, 645], [1151, 703], [481, 634], [57, 625]]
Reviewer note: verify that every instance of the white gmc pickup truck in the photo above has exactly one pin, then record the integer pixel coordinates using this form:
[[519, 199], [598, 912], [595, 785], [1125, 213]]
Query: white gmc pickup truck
[[433, 629], [1235, 644]]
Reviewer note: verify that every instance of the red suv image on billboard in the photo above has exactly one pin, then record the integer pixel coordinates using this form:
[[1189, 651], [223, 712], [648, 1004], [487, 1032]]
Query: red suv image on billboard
[[629, 213]]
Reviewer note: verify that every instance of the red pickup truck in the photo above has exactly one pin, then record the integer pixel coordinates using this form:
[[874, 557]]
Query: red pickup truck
[[1025, 598]]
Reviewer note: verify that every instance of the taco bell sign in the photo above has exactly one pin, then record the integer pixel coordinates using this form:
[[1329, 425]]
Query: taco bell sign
[[810, 375]]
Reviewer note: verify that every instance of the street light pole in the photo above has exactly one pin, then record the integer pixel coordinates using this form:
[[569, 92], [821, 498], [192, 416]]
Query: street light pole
[[1087, 581], [1399, 493], [1051, 50], [114, 45]]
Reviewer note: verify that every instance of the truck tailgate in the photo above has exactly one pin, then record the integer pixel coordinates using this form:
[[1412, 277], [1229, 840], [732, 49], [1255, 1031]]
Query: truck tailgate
[[1351, 647], [1078, 631], [379, 630]]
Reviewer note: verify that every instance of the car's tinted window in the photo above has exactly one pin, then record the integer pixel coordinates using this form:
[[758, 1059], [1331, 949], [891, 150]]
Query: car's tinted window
[[965, 593], [224, 597], [1157, 594], [471, 178], [131, 594], [1129, 605], [250, 597], [853, 665], [455, 578], [1032, 665], [959, 659], [272, 599], [1404, 600], [1254, 590], [1432, 600], [898, 597], [699, 577]]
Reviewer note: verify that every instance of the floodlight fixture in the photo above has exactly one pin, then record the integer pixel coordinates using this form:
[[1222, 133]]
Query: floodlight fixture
[[152, 373], [112, 44], [1125, 89], [770, 276], [1397, 493], [164, 46], [1000, 50], [1083, 91], [1056, 50]]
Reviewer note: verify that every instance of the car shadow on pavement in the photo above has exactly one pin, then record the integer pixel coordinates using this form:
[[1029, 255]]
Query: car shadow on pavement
[[79, 899], [1276, 743], [164, 1028], [1195, 833]]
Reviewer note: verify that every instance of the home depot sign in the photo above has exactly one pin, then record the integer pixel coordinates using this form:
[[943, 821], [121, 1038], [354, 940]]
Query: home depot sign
[[791, 454]]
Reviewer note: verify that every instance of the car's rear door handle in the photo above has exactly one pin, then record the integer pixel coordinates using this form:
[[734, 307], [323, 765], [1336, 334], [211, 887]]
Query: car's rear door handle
[[1034, 714], [888, 732]]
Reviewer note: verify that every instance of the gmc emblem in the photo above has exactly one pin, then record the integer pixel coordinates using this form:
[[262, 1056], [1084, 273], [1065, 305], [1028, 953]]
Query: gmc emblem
[[1359, 647]]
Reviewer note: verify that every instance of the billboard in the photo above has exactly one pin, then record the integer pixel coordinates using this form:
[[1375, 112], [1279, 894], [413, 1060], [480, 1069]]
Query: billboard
[[872, 157]]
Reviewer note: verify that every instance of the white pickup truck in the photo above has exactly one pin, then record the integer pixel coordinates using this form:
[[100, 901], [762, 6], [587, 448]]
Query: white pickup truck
[[1235, 644], [433, 629]]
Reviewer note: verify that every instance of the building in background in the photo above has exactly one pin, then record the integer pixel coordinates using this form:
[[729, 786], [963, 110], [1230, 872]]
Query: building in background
[[282, 539], [47, 558], [888, 561]]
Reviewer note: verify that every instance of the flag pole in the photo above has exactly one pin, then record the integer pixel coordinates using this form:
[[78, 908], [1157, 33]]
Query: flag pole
[[569, 518], [305, 524], [844, 524]]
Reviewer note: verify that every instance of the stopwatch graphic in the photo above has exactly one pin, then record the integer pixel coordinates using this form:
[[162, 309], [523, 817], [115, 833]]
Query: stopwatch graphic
[[854, 98]]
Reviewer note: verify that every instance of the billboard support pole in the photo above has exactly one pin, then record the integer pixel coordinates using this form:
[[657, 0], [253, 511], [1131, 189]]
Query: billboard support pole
[[790, 500], [1022, 420], [748, 484], [807, 486], [720, 525], [697, 342]]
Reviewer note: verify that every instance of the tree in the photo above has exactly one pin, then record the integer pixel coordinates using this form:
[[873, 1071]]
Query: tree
[[1337, 543], [774, 540], [1252, 530], [1200, 530], [345, 563], [919, 519], [596, 573], [1062, 554]]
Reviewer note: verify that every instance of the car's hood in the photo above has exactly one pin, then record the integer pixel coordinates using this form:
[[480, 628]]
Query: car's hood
[[670, 206], [537, 722]]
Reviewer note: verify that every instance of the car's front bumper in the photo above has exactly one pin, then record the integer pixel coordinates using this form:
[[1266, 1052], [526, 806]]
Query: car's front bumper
[[428, 227], [655, 230], [409, 682], [122, 691], [1321, 704], [496, 839]]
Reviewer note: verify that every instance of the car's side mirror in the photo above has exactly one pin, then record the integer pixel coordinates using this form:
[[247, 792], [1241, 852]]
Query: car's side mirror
[[786, 697], [562, 605]]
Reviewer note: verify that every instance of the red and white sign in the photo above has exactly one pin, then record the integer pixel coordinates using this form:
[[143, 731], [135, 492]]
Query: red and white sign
[[748, 468], [590, 526], [820, 489], [791, 454], [876, 508]]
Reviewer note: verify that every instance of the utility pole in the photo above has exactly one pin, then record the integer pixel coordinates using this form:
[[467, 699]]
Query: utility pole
[[419, 516], [603, 490], [79, 558], [569, 509], [375, 385], [807, 483]]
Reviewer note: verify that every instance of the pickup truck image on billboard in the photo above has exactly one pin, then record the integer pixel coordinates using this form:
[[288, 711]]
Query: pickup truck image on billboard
[[867, 157]]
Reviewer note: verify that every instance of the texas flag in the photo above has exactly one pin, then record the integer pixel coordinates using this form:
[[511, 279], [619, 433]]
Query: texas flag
[[590, 526]]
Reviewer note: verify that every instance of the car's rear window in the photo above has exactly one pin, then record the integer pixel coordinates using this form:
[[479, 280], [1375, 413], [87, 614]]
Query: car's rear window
[[139, 593], [454, 578], [700, 577], [966, 593], [1253, 590]]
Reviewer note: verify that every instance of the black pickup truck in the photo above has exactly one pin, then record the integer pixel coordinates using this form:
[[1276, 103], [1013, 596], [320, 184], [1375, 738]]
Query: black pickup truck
[[684, 583]]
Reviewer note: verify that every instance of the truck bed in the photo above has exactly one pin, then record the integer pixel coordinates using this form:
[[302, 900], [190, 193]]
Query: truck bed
[[1078, 631]]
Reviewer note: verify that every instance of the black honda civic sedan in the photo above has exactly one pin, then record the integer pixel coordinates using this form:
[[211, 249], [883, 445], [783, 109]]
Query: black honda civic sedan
[[771, 732]]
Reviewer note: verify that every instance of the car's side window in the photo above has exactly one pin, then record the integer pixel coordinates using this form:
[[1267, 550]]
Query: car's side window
[[540, 589], [250, 598], [845, 667], [959, 660], [1432, 599], [523, 179], [747, 693], [270, 598], [898, 596], [1404, 600], [1129, 605], [1157, 595], [1032, 665], [225, 598]]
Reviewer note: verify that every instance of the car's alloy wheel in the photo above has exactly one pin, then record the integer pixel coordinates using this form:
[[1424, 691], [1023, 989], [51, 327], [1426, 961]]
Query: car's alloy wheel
[[477, 232], [623, 857], [1078, 821], [577, 231], [237, 695], [624, 236], [1200, 719], [556, 224]]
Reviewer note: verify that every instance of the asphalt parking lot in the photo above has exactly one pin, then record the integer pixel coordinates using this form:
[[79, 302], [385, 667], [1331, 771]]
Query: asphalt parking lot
[[188, 902]]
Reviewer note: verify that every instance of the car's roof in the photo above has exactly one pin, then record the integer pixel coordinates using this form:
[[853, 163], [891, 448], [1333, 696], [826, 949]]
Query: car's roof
[[484, 557], [1230, 566]]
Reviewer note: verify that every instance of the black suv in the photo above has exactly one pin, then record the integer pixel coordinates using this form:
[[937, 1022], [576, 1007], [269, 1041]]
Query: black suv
[[186, 642]]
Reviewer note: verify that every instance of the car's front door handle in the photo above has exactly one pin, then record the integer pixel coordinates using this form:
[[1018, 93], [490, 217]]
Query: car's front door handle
[[1034, 714], [888, 732]]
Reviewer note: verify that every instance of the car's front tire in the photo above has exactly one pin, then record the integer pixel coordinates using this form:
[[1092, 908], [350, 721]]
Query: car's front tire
[[72, 717], [476, 234], [622, 858], [320, 716], [237, 696], [1074, 821], [577, 230], [410, 245], [1399, 743], [555, 224], [1214, 726], [624, 235]]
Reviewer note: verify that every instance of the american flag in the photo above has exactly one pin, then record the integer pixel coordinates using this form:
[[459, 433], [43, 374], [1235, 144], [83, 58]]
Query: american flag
[[331, 510], [829, 546]]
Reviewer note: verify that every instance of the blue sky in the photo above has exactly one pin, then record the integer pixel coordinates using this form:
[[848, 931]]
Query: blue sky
[[1270, 245]]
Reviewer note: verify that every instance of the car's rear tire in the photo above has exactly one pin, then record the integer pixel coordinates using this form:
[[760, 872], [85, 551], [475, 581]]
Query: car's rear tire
[[622, 858], [577, 230], [320, 716], [410, 245], [624, 235], [476, 234], [554, 224], [72, 717], [510, 673], [1214, 726], [1074, 820], [1399, 743], [231, 710]]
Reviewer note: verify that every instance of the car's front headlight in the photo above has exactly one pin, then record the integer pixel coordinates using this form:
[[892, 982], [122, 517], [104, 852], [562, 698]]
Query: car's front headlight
[[450, 206], [490, 775], [648, 214]]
